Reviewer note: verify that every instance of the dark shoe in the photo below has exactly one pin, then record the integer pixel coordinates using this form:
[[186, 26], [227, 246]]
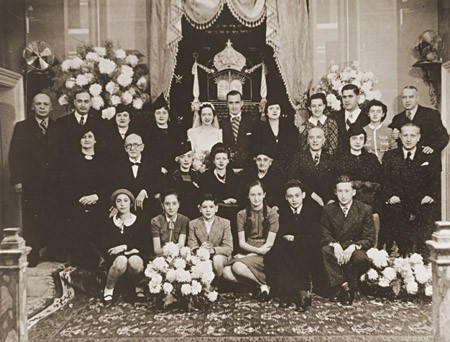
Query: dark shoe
[[264, 296], [307, 300], [346, 297], [140, 295], [284, 304], [301, 305]]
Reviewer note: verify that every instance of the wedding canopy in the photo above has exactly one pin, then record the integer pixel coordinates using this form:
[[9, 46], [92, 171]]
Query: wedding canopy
[[287, 32]]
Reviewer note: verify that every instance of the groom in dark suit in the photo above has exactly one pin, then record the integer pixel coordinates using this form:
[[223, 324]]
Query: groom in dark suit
[[347, 233], [237, 131], [33, 162]]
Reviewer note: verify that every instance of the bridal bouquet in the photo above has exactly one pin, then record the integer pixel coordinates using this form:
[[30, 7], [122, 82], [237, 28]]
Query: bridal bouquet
[[181, 277], [392, 276], [331, 84], [112, 77]]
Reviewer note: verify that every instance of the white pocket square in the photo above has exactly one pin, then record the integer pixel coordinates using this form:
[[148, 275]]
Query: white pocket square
[[425, 164], [249, 133]]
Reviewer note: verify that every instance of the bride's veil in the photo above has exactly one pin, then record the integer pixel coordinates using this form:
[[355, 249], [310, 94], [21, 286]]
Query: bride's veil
[[196, 122]]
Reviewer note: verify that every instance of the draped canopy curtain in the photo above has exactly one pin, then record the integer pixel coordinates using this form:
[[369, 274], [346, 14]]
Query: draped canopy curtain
[[287, 32]]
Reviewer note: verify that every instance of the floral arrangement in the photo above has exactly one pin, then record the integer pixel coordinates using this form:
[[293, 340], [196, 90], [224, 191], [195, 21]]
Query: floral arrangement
[[331, 84], [392, 276], [112, 77], [179, 276]]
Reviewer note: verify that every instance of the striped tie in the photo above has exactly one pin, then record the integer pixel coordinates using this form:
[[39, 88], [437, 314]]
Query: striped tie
[[82, 120], [235, 126], [316, 159], [43, 126], [409, 114]]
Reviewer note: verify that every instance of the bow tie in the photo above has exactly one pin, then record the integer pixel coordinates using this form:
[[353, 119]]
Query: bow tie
[[135, 163]]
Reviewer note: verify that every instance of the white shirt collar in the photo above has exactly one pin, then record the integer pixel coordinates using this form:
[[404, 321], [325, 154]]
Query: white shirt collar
[[371, 126], [78, 117], [128, 222], [239, 115], [297, 210], [313, 153], [138, 160], [412, 111], [354, 115], [348, 206], [413, 152], [208, 226], [314, 120], [168, 219]]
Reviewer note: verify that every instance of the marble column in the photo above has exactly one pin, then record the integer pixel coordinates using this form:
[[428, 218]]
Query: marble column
[[440, 259], [13, 289]]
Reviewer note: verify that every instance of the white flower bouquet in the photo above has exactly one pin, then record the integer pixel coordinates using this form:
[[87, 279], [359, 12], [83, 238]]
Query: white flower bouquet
[[396, 277], [112, 77], [331, 84], [181, 277]]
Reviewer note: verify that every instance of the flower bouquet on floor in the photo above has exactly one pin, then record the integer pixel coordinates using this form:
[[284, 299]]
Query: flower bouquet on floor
[[181, 277], [111, 75], [393, 277], [331, 84]]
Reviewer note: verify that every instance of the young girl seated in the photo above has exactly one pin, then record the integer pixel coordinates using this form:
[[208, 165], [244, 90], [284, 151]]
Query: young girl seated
[[257, 230], [186, 181], [379, 137], [213, 233], [125, 243], [170, 226]]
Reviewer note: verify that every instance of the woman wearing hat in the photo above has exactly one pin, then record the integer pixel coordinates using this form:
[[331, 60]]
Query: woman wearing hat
[[204, 134], [125, 245], [276, 133], [83, 189], [163, 136]]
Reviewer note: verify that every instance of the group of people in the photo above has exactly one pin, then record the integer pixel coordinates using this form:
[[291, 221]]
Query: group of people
[[279, 207]]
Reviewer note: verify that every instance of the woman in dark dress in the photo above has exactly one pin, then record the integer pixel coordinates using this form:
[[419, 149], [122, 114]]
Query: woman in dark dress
[[83, 191], [125, 245], [278, 133], [162, 139]]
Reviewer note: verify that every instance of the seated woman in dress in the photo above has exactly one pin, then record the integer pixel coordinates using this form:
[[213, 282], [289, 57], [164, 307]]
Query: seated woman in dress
[[316, 105], [277, 133], [379, 137], [83, 190], [163, 137], [204, 134], [269, 175], [186, 181], [170, 226], [125, 244], [257, 230]]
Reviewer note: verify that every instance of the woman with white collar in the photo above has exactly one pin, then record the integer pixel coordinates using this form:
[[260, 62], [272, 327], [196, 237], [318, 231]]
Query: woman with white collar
[[317, 104], [125, 245]]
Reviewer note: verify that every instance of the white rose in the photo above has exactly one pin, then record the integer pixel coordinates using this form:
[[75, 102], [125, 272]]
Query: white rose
[[108, 113], [369, 75], [132, 90], [89, 76], [186, 289], [356, 83], [92, 56], [124, 80], [366, 86], [345, 76], [81, 80], [203, 254], [120, 53], [372, 274], [77, 62], [185, 251], [429, 290], [412, 287], [132, 60], [423, 273], [196, 287], [171, 249], [114, 100], [127, 70], [138, 103], [212, 296], [111, 87], [167, 288], [66, 65], [63, 100], [106, 66], [336, 105], [127, 98], [95, 89], [97, 102], [179, 263], [142, 82], [331, 76], [389, 273], [101, 51], [70, 83], [154, 287], [383, 282], [171, 275]]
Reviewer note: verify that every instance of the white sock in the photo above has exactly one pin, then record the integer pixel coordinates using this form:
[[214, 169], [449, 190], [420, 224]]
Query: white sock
[[108, 292], [265, 288]]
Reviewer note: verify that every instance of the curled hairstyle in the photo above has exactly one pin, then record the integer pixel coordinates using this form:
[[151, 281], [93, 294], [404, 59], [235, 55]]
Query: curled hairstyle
[[248, 213], [376, 103], [316, 96], [345, 179], [207, 105]]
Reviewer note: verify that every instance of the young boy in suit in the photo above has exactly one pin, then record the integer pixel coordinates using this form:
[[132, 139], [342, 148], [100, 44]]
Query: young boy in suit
[[211, 232], [347, 233]]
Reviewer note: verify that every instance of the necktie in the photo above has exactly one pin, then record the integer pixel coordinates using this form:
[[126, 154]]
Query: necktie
[[82, 120], [135, 164], [235, 126], [345, 211], [171, 227], [135, 168], [408, 158], [43, 126], [316, 159], [348, 123], [408, 114]]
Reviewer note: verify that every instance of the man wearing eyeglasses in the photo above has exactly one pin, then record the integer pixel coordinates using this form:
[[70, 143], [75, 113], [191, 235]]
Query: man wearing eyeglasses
[[140, 175]]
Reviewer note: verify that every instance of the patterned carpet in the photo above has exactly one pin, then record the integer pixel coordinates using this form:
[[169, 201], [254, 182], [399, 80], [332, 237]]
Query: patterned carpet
[[237, 317]]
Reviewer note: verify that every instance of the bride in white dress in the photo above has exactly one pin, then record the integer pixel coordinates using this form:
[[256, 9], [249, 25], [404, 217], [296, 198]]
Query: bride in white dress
[[204, 134]]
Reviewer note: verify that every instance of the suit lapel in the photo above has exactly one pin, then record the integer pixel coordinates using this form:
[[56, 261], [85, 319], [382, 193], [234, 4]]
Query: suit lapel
[[215, 231], [200, 231], [228, 137], [350, 219], [36, 131], [243, 127]]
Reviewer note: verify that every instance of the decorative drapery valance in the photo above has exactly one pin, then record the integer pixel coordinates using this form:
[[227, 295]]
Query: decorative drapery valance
[[287, 32]]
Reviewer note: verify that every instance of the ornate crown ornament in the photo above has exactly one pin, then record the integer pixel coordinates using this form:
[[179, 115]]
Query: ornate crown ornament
[[229, 58]]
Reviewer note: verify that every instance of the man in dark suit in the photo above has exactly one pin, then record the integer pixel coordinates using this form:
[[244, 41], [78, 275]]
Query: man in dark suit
[[409, 193], [71, 124], [314, 168], [347, 233], [141, 176], [237, 131], [348, 116], [33, 161], [434, 136]]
